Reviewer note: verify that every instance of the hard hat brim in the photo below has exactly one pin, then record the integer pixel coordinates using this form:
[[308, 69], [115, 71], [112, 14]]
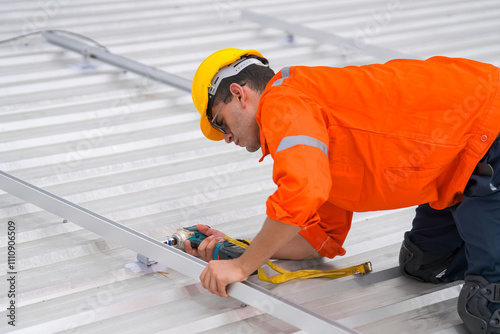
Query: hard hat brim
[[209, 131]]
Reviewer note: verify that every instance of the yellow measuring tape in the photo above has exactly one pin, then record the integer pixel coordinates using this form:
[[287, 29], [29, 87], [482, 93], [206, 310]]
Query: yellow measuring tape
[[286, 275]]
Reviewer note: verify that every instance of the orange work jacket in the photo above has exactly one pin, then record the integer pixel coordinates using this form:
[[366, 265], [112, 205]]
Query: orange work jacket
[[373, 137]]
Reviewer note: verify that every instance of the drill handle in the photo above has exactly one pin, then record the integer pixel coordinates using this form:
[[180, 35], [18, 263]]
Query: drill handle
[[195, 243]]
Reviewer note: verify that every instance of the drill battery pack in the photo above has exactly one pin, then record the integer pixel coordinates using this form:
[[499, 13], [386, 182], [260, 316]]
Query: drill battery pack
[[226, 251]]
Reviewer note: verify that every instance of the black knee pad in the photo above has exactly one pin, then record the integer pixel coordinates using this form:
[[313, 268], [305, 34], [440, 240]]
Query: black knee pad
[[474, 305], [425, 267]]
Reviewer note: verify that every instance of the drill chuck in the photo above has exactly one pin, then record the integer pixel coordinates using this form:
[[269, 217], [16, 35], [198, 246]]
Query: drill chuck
[[179, 238], [171, 241]]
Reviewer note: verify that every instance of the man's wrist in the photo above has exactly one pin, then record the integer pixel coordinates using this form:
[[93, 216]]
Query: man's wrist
[[244, 266]]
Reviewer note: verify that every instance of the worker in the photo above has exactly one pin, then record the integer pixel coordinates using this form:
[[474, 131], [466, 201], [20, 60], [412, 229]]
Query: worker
[[364, 138]]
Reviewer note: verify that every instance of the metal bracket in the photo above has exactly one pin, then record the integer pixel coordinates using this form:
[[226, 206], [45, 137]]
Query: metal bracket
[[85, 65], [145, 260]]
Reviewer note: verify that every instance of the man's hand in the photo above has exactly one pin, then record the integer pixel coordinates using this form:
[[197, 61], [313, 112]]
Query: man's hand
[[219, 273], [206, 249]]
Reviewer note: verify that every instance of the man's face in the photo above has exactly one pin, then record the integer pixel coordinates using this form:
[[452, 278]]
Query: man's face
[[237, 118]]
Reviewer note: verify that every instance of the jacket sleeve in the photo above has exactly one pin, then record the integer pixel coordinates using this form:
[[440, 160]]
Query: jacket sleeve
[[296, 133], [328, 235]]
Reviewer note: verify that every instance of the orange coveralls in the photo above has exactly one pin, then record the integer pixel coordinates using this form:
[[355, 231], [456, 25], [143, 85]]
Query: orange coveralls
[[373, 137]]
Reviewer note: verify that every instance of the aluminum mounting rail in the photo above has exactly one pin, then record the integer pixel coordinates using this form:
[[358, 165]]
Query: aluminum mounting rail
[[119, 61], [184, 263], [347, 45]]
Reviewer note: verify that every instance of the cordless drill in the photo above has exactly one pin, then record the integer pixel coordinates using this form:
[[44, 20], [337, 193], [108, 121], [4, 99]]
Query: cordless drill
[[224, 250]]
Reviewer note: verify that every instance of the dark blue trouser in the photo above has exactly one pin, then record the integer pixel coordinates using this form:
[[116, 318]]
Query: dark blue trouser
[[471, 228]]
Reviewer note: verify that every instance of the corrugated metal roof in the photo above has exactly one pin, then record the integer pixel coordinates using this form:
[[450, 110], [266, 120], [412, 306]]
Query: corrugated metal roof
[[130, 149]]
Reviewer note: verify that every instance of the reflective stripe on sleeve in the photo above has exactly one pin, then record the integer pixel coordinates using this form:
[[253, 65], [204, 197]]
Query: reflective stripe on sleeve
[[291, 141], [285, 73]]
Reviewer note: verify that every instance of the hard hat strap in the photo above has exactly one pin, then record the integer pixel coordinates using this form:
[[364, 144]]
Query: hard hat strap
[[230, 70]]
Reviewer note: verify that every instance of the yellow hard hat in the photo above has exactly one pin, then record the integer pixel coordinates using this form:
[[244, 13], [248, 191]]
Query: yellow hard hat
[[202, 82]]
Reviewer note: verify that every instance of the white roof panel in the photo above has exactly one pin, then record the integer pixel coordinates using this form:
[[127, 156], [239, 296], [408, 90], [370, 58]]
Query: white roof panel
[[130, 149]]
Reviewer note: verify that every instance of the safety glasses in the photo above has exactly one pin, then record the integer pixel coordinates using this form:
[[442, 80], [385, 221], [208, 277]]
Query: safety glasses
[[209, 116], [212, 121]]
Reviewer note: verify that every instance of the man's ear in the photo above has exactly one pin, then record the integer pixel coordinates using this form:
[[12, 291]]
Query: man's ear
[[238, 92]]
